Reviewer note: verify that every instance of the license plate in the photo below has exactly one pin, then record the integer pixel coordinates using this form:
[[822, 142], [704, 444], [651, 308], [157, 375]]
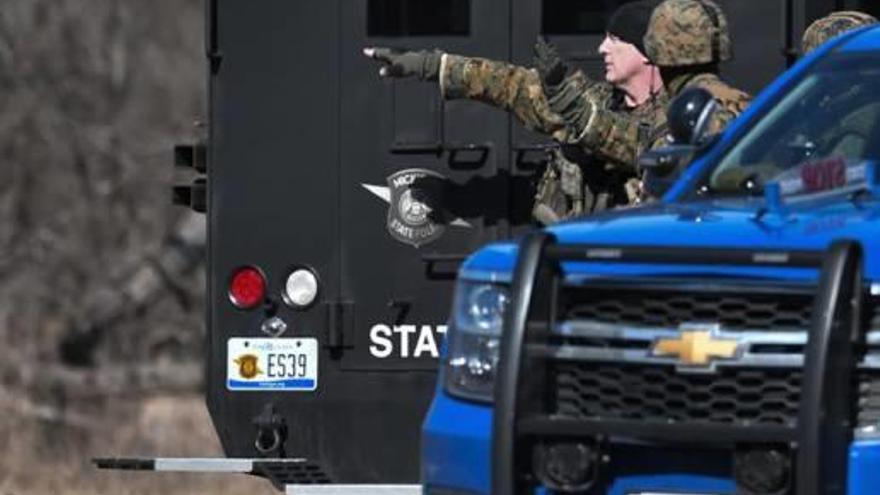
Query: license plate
[[272, 365]]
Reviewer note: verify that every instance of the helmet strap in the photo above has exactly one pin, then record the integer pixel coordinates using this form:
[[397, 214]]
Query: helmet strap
[[716, 36]]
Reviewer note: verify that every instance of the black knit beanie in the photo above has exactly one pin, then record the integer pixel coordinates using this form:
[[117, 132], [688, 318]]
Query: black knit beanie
[[630, 22]]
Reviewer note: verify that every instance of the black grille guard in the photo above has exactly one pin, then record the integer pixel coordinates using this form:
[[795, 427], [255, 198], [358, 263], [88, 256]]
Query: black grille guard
[[824, 426]]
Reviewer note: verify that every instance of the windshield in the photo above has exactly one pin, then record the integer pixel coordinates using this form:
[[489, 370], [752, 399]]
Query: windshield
[[820, 136]]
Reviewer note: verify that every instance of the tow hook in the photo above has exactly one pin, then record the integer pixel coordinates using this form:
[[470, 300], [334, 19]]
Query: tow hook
[[271, 433]]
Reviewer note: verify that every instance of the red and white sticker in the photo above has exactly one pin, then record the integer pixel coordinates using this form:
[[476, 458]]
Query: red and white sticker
[[823, 175]]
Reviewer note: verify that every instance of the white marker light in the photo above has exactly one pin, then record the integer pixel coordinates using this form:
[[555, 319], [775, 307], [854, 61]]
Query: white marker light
[[301, 288]]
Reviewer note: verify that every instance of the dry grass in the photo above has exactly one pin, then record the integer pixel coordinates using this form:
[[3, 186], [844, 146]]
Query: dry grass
[[45, 456]]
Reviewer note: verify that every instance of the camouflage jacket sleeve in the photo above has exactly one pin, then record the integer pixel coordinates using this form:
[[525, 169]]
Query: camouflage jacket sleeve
[[620, 137], [731, 101], [502, 85]]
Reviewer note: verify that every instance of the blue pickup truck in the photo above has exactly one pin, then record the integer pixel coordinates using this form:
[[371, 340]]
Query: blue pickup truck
[[724, 340]]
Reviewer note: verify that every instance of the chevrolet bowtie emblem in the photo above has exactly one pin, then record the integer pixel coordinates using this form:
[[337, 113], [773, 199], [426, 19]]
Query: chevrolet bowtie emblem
[[696, 347]]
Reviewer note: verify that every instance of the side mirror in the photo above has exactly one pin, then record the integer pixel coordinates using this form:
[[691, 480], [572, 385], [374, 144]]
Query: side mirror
[[661, 167], [689, 114]]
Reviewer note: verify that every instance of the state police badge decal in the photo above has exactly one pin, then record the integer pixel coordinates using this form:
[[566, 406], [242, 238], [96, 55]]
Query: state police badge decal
[[415, 206]]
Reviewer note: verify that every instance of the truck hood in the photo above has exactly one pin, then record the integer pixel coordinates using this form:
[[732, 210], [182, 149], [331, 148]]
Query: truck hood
[[805, 225]]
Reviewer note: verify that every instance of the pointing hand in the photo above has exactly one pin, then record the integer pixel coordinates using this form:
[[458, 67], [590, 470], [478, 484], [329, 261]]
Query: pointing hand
[[402, 63]]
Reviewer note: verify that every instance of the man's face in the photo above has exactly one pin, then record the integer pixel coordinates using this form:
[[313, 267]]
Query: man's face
[[622, 60]]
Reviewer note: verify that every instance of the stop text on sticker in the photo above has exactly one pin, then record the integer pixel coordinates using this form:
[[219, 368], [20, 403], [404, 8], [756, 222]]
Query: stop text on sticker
[[823, 175]]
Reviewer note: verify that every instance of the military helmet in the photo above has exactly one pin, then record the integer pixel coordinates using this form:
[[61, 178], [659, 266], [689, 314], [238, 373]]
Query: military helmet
[[833, 24], [687, 32]]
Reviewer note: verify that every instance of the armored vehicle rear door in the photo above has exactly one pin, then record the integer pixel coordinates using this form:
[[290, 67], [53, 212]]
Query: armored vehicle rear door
[[273, 206], [419, 189], [422, 181], [378, 187], [301, 131]]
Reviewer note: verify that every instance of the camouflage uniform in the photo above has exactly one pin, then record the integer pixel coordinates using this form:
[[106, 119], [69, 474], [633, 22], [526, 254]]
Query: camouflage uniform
[[685, 39], [520, 91], [832, 25], [533, 97]]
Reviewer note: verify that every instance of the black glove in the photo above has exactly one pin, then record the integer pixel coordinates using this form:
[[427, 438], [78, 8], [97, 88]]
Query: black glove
[[401, 63], [550, 66]]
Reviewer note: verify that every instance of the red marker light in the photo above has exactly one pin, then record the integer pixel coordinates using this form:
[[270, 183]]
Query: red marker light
[[247, 288]]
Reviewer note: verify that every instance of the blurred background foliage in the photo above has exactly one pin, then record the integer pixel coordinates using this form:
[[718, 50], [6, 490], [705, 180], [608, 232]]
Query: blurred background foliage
[[101, 282]]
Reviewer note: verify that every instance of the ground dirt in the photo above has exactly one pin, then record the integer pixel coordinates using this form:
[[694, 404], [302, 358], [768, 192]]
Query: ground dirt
[[53, 455]]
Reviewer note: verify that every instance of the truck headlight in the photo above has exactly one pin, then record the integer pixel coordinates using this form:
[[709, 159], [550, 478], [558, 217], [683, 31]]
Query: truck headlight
[[474, 340]]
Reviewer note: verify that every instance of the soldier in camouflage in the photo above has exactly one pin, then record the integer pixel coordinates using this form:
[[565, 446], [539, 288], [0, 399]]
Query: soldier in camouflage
[[632, 87], [686, 39], [833, 25]]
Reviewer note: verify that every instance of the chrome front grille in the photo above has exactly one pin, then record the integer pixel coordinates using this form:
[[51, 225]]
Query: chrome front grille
[[664, 308], [604, 366], [663, 395], [868, 408], [605, 342]]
